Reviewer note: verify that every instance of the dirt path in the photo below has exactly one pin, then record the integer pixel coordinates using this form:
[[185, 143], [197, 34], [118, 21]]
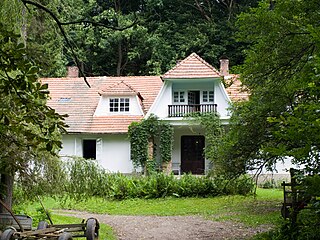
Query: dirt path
[[169, 227]]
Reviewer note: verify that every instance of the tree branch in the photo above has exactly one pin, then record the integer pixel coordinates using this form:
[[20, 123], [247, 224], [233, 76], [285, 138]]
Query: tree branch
[[54, 17], [98, 24]]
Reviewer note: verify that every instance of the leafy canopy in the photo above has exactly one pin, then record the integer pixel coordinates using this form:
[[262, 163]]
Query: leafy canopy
[[281, 72]]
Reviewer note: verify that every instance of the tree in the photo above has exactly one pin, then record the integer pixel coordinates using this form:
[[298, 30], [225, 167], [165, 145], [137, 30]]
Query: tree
[[29, 128], [160, 32], [281, 72]]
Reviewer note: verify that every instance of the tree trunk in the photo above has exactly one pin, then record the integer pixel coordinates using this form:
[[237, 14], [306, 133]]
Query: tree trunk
[[6, 190], [119, 64]]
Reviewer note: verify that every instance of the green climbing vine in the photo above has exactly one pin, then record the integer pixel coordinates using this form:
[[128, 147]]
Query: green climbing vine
[[140, 135]]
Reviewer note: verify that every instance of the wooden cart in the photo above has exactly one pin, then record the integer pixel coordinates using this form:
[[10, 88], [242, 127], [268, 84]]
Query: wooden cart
[[20, 227], [88, 229]]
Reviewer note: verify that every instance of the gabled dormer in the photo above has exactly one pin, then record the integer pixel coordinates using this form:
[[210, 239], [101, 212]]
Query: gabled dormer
[[119, 99], [193, 85]]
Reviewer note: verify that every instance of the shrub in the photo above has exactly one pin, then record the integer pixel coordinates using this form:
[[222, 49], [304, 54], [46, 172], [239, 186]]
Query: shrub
[[85, 178], [88, 179]]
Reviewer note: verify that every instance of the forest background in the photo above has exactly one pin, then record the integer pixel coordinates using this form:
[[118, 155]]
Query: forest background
[[142, 37]]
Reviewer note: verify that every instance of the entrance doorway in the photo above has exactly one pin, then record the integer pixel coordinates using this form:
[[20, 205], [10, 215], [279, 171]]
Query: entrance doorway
[[192, 154]]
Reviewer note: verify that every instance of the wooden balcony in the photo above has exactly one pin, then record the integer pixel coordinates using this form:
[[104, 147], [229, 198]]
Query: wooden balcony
[[185, 110]]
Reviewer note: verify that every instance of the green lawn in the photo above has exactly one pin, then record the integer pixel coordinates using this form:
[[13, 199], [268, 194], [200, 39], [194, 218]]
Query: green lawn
[[252, 211]]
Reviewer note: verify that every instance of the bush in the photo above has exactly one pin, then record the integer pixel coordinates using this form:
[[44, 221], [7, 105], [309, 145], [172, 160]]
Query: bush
[[85, 178], [308, 218]]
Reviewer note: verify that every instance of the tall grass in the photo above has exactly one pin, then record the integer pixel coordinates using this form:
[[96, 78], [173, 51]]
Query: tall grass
[[86, 179]]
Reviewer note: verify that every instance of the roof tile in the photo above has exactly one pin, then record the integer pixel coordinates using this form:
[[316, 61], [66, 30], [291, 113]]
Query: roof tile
[[73, 97], [83, 101], [192, 67]]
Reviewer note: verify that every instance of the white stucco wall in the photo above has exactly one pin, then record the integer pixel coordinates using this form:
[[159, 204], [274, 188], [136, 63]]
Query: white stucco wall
[[222, 100], [113, 151], [165, 97]]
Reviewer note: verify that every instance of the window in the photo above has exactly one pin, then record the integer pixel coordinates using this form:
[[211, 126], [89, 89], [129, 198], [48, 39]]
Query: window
[[119, 105], [89, 149], [207, 96], [178, 97], [64, 100]]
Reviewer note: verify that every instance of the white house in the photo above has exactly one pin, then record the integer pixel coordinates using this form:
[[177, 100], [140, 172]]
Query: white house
[[99, 116]]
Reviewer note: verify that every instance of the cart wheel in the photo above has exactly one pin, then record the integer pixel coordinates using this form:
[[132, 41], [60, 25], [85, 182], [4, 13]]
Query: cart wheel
[[65, 236], [42, 225], [92, 229], [8, 234]]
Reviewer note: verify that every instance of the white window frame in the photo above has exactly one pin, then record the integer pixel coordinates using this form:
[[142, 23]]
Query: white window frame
[[119, 105], [208, 96], [179, 97]]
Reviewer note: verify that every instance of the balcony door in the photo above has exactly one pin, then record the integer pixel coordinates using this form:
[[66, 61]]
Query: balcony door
[[192, 154], [193, 97], [194, 101]]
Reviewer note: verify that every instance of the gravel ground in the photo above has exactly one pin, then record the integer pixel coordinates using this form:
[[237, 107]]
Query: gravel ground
[[170, 227]]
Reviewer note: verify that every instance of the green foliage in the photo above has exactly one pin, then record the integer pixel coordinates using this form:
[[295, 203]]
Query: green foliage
[[148, 130], [86, 179], [46, 177], [308, 219], [29, 129], [138, 136], [281, 73]]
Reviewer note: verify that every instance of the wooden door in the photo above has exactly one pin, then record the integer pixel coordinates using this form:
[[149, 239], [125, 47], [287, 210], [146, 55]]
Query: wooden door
[[192, 154]]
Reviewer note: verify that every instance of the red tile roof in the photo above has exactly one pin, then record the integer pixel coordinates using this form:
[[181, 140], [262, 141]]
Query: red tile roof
[[235, 90], [192, 67], [119, 88], [73, 97]]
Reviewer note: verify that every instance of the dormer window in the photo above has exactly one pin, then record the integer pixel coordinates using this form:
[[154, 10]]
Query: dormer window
[[119, 105]]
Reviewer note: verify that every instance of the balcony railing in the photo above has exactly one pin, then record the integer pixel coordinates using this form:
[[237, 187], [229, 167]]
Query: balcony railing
[[185, 110]]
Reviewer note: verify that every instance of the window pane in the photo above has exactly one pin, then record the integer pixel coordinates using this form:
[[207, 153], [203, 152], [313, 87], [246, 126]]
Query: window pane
[[205, 96], [181, 96], [211, 96], [119, 104], [176, 97], [114, 105]]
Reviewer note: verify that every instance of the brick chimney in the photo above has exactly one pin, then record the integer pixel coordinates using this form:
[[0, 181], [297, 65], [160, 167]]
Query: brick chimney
[[224, 66], [72, 71]]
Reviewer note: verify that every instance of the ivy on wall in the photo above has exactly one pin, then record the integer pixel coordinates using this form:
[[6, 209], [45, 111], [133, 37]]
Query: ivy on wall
[[146, 131]]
